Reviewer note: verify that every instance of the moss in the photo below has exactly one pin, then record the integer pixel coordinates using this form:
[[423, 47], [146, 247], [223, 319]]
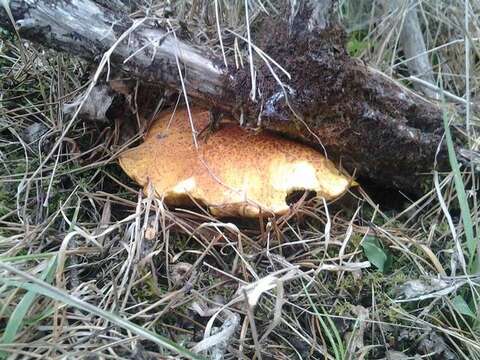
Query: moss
[[357, 43]]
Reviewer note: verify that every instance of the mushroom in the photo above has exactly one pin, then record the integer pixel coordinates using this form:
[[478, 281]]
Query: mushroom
[[233, 171]]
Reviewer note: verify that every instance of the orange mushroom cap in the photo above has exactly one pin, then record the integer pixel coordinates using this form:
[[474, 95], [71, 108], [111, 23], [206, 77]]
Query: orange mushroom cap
[[234, 171]]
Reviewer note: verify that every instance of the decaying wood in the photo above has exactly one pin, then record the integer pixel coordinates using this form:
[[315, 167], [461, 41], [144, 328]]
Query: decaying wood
[[363, 119], [87, 29], [413, 45]]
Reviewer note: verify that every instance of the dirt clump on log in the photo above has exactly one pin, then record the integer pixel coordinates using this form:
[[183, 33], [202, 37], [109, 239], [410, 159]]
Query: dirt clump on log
[[336, 103]]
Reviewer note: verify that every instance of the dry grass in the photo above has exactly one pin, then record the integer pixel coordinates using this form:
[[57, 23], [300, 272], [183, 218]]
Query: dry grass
[[298, 286]]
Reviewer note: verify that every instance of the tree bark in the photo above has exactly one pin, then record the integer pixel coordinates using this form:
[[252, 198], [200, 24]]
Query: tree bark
[[363, 119]]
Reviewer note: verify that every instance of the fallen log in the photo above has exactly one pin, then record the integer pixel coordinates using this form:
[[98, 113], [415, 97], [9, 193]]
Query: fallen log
[[361, 118]]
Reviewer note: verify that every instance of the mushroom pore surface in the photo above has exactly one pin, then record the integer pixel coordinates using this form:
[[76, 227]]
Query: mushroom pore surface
[[234, 171]]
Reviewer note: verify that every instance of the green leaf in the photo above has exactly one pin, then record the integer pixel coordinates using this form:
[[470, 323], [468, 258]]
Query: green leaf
[[376, 254], [462, 307]]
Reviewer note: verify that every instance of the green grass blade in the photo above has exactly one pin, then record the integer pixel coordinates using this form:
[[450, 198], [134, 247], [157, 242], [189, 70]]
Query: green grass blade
[[341, 348], [16, 319], [29, 257], [461, 194], [338, 352], [41, 287]]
